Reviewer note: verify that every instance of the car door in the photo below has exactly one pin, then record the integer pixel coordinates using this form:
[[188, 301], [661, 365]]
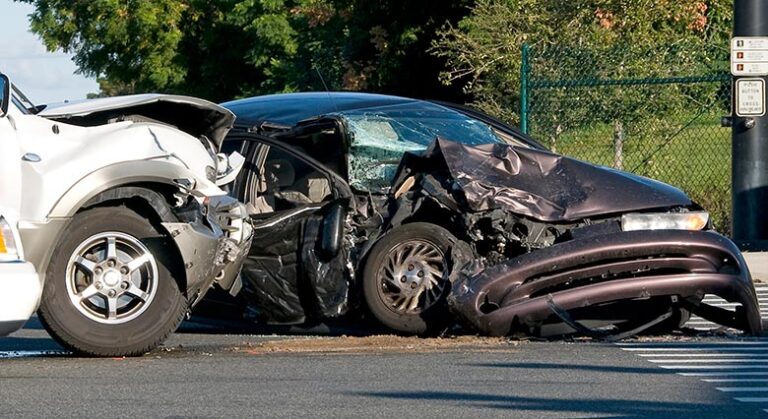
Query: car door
[[296, 268]]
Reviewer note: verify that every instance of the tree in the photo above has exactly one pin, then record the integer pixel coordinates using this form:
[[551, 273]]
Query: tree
[[221, 49], [587, 39]]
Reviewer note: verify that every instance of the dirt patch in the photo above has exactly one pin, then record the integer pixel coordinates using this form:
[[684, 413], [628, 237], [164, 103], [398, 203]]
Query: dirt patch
[[380, 344]]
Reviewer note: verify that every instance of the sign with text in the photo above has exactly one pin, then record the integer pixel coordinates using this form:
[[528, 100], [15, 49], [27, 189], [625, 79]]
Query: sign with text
[[750, 97], [749, 56]]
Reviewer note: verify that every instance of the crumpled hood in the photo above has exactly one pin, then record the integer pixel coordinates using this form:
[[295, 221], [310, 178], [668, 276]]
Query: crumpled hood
[[189, 114], [542, 185]]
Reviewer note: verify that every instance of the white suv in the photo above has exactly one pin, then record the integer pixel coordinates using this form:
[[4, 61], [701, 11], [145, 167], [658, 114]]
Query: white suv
[[121, 212]]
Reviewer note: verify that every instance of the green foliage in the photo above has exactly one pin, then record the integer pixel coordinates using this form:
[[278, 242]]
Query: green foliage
[[609, 82], [221, 49], [594, 39]]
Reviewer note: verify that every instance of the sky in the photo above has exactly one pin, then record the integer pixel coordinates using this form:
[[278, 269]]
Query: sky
[[43, 76]]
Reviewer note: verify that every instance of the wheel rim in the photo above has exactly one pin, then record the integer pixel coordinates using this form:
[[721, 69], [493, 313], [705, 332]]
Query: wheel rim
[[111, 278], [413, 277]]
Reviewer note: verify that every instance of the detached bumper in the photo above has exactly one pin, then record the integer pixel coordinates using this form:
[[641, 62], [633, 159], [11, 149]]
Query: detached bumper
[[20, 291], [522, 293], [215, 249]]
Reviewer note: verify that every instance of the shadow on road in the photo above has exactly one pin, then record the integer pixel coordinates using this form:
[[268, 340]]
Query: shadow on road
[[594, 368], [24, 344], [620, 408]]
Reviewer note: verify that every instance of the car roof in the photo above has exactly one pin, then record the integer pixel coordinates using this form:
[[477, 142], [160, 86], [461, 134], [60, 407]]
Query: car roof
[[291, 108], [288, 109]]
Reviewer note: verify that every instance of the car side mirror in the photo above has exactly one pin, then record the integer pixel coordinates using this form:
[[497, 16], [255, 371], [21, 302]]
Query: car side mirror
[[5, 99], [332, 231]]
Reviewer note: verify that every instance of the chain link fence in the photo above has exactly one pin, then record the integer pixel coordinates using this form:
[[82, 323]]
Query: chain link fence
[[637, 111]]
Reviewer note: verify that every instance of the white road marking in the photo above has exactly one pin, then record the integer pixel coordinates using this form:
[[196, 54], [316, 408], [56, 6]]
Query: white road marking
[[722, 374], [699, 323], [736, 355], [643, 346], [711, 348], [31, 354], [714, 367], [735, 380], [738, 389], [740, 368], [712, 361]]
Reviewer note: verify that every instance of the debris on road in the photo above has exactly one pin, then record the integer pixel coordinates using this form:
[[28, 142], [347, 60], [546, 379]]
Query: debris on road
[[380, 344]]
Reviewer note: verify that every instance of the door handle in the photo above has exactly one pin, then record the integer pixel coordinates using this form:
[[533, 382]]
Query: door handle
[[31, 157]]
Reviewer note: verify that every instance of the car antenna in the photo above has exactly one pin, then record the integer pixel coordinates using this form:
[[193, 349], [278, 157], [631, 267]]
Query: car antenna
[[328, 91]]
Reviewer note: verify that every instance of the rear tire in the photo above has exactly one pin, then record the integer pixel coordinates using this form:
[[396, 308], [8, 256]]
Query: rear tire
[[405, 279], [109, 288]]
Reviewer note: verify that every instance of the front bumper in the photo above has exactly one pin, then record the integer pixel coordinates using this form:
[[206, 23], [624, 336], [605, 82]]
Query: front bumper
[[20, 290], [520, 294], [212, 250]]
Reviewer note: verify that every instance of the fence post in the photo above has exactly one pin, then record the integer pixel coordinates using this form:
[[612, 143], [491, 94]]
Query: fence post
[[524, 72], [618, 145]]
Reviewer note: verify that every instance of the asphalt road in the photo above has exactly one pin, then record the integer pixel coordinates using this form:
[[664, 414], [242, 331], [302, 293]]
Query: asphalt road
[[217, 375]]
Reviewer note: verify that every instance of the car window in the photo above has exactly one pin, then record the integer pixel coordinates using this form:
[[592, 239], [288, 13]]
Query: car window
[[20, 100], [286, 182], [380, 136]]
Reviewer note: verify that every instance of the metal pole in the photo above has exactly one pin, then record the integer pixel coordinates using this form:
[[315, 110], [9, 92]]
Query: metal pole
[[524, 71], [750, 146]]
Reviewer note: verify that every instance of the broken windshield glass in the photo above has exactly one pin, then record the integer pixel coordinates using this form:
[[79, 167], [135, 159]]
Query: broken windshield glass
[[380, 136]]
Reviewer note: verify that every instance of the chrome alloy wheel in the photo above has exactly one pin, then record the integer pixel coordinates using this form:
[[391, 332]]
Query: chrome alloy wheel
[[413, 276], [111, 278]]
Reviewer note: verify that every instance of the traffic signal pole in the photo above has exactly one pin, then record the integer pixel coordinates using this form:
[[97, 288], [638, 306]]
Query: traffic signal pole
[[750, 125]]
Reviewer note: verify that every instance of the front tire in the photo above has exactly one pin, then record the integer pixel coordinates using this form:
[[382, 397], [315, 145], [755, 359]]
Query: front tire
[[109, 288], [405, 279]]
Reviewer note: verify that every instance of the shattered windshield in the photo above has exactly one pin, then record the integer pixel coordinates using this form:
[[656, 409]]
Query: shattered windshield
[[380, 136]]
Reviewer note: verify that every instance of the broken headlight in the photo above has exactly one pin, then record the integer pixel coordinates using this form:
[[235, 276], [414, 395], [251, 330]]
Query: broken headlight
[[696, 220], [8, 250]]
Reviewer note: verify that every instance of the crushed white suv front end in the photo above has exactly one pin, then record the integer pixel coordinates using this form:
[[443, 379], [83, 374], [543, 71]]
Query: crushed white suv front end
[[124, 215]]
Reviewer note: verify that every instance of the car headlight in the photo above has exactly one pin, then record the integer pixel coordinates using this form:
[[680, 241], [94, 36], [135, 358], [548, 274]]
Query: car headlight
[[665, 221], [8, 249]]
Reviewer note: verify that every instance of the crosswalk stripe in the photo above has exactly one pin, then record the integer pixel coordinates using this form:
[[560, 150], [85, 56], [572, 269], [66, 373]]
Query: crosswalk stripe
[[707, 355], [739, 389], [714, 348], [641, 345], [714, 367], [712, 361], [699, 323], [720, 300], [724, 374], [740, 368], [735, 380]]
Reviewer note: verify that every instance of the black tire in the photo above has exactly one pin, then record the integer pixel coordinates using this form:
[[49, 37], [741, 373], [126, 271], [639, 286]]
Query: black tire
[[382, 296], [84, 327]]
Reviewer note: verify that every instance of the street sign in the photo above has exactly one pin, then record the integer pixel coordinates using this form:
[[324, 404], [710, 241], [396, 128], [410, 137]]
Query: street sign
[[749, 56], [750, 97]]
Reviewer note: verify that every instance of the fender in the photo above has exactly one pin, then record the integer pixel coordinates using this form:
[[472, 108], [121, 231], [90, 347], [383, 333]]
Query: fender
[[118, 174], [39, 237]]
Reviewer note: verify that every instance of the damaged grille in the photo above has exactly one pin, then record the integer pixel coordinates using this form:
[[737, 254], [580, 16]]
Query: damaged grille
[[617, 270]]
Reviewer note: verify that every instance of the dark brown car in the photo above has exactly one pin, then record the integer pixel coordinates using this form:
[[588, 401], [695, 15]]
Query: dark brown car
[[418, 211]]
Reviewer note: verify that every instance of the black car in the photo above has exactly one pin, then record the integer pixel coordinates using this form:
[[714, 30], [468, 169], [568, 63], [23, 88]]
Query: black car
[[409, 207]]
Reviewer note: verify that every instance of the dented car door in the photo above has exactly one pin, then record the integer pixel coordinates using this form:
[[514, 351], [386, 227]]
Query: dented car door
[[296, 267]]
